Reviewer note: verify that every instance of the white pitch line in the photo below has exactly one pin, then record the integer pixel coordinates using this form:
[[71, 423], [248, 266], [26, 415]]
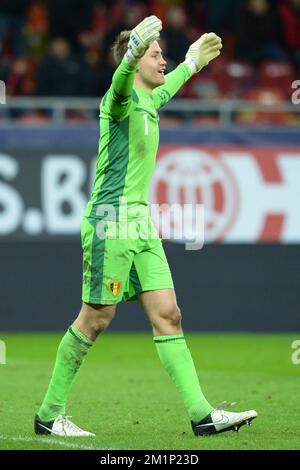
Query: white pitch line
[[50, 441]]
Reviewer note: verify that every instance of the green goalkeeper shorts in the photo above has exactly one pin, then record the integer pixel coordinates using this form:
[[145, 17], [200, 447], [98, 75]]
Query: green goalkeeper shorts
[[121, 260]]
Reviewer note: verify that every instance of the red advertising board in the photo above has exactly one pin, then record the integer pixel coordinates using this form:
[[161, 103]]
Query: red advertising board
[[249, 194]]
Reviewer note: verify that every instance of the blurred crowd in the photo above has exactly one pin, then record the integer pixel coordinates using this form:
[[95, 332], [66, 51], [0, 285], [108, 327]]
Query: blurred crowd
[[63, 47]]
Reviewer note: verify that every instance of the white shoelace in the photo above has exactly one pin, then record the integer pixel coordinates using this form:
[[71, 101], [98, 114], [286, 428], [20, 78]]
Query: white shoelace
[[69, 425]]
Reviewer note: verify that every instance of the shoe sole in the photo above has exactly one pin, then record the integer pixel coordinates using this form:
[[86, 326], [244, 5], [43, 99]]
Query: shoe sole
[[42, 430], [235, 427], [54, 433]]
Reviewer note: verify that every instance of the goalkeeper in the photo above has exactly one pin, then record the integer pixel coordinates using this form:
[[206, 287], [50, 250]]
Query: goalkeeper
[[132, 267]]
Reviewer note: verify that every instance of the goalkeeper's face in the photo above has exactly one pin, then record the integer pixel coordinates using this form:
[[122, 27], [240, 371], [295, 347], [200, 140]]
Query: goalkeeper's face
[[151, 67]]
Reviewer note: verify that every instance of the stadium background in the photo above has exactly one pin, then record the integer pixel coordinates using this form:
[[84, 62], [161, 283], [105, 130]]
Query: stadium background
[[236, 125]]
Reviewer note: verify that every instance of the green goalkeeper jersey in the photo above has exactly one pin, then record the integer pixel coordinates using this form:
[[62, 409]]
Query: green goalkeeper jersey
[[129, 138]]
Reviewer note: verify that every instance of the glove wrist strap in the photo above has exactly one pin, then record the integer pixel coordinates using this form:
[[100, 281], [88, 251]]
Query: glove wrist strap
[[191, 65], [130, 59]]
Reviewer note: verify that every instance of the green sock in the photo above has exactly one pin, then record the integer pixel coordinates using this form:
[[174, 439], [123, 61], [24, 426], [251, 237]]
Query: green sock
[[177, 360], [70, 355]]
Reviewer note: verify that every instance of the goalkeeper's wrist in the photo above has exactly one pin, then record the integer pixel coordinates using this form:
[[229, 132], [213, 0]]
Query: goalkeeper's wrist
[[130, 59], [191, 65]]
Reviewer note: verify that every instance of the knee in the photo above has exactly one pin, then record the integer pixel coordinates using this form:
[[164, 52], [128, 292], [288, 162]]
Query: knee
[[94, 319], [175, 316], [99, 323], [100, 320], [170, 314]]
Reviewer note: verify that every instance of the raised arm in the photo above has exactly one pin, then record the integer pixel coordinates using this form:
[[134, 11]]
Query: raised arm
[[200, 53], [118, 99], [173, 82], [116, 102]]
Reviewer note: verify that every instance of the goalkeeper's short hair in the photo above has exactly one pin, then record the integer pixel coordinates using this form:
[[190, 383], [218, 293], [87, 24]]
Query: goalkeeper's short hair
[[120, 46]]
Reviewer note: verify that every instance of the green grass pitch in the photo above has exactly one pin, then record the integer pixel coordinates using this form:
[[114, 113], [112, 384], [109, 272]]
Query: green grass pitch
[[124, 395]]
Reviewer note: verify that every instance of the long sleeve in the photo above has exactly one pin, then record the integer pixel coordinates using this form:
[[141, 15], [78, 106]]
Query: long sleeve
[[117, 101], [174, 81]]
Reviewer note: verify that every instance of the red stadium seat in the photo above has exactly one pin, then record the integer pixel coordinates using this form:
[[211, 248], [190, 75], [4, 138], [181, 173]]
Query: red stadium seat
[[268, 97], [170, 121], [217, 71], [206, 121], [277, 75], [240, 77], [33, 118], [233, 78], [265, 95]]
